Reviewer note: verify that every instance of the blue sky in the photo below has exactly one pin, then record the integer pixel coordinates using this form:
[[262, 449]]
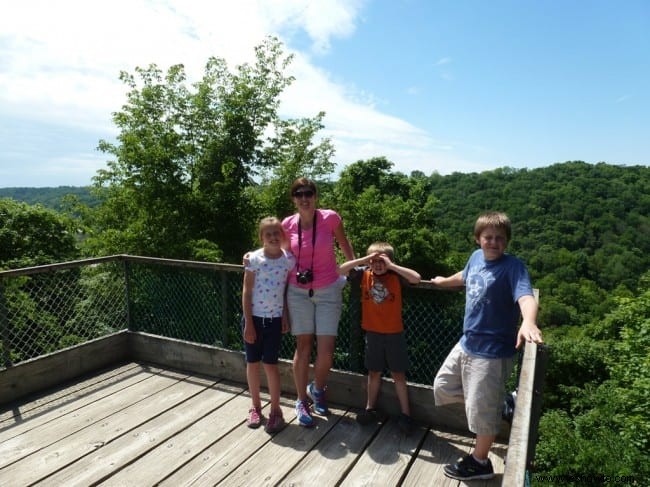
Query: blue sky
[[435, 86]]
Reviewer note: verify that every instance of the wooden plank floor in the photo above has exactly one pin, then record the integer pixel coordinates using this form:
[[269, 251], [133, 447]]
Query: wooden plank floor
[[141, 425]]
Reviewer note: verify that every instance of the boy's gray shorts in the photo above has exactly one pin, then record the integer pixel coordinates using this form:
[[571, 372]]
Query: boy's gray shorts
[[479, 382]]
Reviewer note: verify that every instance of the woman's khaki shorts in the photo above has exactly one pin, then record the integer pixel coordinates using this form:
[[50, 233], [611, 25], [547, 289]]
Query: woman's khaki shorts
[[318, 315]]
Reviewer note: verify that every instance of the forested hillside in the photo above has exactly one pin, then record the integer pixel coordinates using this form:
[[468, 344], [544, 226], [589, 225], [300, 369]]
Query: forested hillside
[[50, 197], [583, 229]]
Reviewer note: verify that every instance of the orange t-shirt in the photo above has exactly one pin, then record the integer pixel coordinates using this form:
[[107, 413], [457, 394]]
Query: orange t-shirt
[[381, 302]]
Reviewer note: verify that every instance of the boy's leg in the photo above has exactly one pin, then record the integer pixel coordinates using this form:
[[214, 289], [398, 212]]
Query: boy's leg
[[370, 414], [402, 392], [374, 384], [484, 381], [448, 385], [483, 445]]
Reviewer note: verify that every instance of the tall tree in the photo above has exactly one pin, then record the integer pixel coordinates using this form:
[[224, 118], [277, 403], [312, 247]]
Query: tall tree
[[34, 235], [186, 158], [380, 205]]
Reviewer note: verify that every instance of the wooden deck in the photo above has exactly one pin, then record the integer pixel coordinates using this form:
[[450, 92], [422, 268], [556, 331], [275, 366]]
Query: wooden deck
[[139, 424]]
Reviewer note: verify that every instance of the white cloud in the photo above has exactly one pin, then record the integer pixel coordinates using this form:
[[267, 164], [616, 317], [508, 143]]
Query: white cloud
[[60, 61]]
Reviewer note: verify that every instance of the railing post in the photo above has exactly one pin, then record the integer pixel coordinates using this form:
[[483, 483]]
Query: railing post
[[225, 310], [536, 407], [356, 336], [127, 292], [4, 326]]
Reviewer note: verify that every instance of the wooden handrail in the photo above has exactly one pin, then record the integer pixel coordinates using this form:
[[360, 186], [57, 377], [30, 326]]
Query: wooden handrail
[[523, 432]]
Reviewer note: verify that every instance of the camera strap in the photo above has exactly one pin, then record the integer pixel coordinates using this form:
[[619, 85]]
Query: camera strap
[[313, 240]]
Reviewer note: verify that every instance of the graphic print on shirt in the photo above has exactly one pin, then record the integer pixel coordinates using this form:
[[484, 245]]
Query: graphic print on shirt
[[378, 292], [478, 280]]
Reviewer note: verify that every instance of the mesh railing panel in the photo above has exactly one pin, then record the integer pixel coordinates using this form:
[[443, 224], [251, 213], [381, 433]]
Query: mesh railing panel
[[42, 312]]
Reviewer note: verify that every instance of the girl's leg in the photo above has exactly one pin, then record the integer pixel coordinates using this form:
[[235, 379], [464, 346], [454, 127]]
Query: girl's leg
[[301, 359], [273, 380], [402, 392], [253, 378]]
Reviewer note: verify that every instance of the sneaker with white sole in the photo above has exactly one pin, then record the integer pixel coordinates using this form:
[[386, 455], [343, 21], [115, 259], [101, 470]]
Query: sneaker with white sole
[[317, 397], [467, 468], [303, 415]]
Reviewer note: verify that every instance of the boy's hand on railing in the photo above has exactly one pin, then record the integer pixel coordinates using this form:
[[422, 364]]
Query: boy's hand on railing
[[529, 332]]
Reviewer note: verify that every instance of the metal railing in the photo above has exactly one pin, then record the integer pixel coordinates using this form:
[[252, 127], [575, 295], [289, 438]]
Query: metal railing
[[48, 308]]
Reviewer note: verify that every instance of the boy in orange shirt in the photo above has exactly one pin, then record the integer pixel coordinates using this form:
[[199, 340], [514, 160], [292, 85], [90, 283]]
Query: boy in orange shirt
[[381, 318]]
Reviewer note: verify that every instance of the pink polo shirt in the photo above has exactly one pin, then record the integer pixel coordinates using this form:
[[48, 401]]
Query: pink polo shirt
[[324, 263]]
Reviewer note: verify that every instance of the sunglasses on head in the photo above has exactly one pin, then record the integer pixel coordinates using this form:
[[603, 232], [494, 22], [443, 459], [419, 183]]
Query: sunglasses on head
[[307, 193]]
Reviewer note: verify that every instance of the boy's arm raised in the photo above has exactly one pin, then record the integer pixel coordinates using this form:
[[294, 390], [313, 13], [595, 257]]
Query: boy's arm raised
[[409, 274], [345, 268]]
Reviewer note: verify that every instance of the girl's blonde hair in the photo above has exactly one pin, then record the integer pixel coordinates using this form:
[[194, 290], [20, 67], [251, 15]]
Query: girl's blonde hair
[[270, 221]]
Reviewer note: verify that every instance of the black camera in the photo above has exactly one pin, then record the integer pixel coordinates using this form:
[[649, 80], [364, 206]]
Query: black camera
[[305, 277]]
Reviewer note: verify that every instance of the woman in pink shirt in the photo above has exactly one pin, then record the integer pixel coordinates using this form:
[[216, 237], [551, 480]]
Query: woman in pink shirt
[[314, 295]]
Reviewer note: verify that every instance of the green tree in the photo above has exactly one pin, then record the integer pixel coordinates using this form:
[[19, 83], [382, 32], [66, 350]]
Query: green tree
[[187, 157], [34, 235], [378, 205], [597, 420], [292, 153]]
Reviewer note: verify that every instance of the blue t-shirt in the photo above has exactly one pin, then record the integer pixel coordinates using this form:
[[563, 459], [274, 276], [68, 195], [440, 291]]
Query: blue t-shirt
[[492, 288]]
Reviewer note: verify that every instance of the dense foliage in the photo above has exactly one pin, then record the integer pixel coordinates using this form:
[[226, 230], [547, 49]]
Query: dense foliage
[[597, 397], [583, 229], [34, 235]]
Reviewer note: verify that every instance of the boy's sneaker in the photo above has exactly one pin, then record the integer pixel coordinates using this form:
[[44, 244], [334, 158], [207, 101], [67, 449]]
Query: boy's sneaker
[[368, 416], [254, 417], [275, 422], [405, 424], [318, 398], [302, 413], [469, 469]]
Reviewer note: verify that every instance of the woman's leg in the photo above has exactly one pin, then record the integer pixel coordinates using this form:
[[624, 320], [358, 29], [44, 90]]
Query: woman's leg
[[301, 359], [324, 360]]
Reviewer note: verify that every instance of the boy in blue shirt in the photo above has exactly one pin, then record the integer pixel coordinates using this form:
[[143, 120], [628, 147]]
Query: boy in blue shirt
[[498, 292]]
